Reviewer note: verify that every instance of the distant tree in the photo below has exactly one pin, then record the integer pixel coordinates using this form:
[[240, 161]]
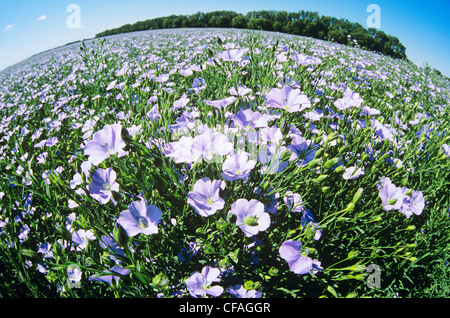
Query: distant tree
[[278, 26], [336, 35], [260, 24], [295, 27], [305, 23], [239, 22]]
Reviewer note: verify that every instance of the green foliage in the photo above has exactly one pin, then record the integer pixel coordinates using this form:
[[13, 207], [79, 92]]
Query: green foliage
[[304, 23]]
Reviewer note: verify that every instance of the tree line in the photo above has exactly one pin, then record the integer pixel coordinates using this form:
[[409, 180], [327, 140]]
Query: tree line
[[304, 23]]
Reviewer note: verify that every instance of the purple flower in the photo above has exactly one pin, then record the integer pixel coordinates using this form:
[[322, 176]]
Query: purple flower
[[302, 149], [291, 100], [413, 204], [350, 99], [271, 134], [270, 157], [211, 143], [304, 59], [74, 274], [51, 141], [366, 110], [221, 103], [198, 85], [293, 202], [391, 196], [307, 218], [46, 249], [188, 254], [314, 115], [381, 130], [81, 238], [182, 150], [250, 216], [417, 202], [353, 173], [102, 184], [140, 218], [109, 275], [110, 244], [237, 166], [76, 180], [238, 291], [23, 233], [104, 143], [233, 55], [291, 251], [153, 113], [446, 149], [270, 199], [122, 116], [199, 284], [204, 197], [111, 85], [249, 119], [181, 102], [42, 157], [241, 91]]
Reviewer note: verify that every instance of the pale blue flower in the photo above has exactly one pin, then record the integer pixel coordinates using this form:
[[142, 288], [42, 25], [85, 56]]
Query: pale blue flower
[[102, 184], [251, 217], [204, 197], [238, 291], [104, 143], [140, 218], [199, 284], [292, 252], [291, 100], [237, 166], [110, 275]]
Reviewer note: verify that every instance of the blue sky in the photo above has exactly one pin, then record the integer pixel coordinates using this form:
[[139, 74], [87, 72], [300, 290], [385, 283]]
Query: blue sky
[[29, 27]]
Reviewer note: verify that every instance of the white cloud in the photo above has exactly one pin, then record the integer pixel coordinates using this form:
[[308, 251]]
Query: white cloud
[[42, 17], [9, 26]]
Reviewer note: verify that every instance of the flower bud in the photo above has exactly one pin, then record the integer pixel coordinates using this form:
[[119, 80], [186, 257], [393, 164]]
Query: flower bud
[[377, 219], [29, 254], [313, 163], [357, 195], [320, 178], [120, 235], [364, 157], [331, 137], [340, 169], [352, 254], [330, 163], [357, 268], [318, 153], [318, 140]]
